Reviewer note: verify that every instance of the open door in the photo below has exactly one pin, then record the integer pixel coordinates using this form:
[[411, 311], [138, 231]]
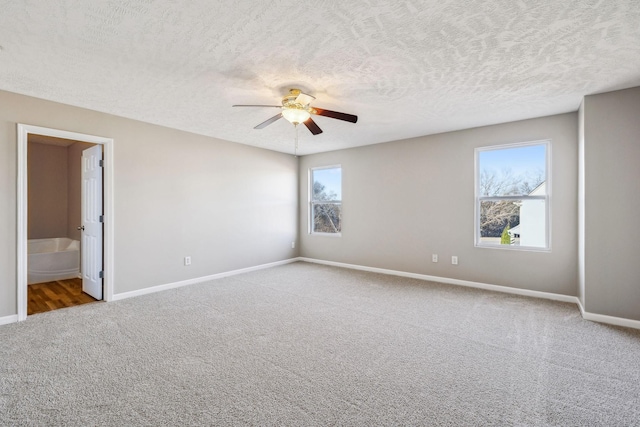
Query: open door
[[92, 221]]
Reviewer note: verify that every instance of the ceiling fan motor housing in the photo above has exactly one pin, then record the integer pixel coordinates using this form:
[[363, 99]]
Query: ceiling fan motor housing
[[295, 100]]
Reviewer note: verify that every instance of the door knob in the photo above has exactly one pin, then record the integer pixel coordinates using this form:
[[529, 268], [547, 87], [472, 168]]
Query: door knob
[[80, 228]]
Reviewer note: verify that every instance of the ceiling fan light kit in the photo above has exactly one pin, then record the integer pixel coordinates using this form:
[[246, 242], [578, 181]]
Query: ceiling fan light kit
[[295, 115], [296, 109]]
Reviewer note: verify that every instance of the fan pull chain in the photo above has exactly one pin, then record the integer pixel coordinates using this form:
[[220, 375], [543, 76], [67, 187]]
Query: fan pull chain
[[295, 151]]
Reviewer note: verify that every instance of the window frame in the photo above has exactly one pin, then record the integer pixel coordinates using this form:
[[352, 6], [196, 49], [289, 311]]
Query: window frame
[[546, 197], [312, 203]]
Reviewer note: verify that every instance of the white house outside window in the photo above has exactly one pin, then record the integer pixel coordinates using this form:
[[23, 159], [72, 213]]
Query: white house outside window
[[325, 207], [512, 196]]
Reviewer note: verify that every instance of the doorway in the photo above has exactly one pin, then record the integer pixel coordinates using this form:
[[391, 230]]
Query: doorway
[[106, 146]]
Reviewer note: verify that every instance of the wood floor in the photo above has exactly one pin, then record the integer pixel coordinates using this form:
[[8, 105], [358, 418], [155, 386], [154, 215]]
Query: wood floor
[[53, 295]]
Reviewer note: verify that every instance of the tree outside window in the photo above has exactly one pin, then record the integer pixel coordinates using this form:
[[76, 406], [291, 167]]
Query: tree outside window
[[326, 200]]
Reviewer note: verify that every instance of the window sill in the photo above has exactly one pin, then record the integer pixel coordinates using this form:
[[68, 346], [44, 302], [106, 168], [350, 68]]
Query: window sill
[[514, 248], [326, 234]]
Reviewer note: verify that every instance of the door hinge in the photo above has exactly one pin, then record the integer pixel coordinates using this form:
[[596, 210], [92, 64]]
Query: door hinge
[[101, 219], [101, 274], [101, 163]]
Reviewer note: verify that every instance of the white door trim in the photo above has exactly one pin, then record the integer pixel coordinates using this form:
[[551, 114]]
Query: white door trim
[[21, 256]]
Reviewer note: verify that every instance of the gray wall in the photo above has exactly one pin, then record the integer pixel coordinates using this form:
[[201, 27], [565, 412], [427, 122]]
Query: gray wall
[[406, 200], [230, 206], [54, 190], [48, 186], [611, 170], [226, 205]]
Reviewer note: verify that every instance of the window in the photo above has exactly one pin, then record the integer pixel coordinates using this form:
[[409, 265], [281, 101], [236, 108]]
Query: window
[[512, 196], [325, 200]]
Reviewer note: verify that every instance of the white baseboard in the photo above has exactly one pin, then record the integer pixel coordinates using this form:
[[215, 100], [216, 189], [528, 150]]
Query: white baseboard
[[8, 319], [611, 320], [600, 318], [166, 286], [478, 285]]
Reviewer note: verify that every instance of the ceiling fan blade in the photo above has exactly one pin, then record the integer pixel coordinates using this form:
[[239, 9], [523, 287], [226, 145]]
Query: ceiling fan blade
[[304, 99], [312, 126], [277, 106], [335, 115], [269, 121]]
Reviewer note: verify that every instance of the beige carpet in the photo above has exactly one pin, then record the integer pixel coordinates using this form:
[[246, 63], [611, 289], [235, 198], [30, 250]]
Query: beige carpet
[[306, 345]]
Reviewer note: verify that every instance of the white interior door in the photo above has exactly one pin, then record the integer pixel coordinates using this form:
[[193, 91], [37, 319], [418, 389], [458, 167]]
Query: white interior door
[[92, 221]]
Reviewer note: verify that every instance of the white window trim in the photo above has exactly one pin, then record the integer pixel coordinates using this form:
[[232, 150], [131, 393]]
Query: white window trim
[[311, 202], [547, 197]]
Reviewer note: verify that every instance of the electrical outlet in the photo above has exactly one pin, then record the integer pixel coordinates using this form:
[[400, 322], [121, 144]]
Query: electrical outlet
[[293, 245], [454, 260], [434, 258], [187, 260]]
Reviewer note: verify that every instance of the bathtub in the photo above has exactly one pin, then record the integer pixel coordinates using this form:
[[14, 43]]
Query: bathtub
[[52, 259]]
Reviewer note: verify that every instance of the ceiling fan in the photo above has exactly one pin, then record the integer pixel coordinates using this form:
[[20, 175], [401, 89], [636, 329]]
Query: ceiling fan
[[296, 109]]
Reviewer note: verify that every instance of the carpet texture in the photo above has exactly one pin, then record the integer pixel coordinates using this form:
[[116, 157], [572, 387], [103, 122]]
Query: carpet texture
[[307, 345]]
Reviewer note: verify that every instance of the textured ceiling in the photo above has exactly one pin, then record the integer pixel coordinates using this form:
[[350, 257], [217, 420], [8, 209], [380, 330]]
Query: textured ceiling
[[406, 68]]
